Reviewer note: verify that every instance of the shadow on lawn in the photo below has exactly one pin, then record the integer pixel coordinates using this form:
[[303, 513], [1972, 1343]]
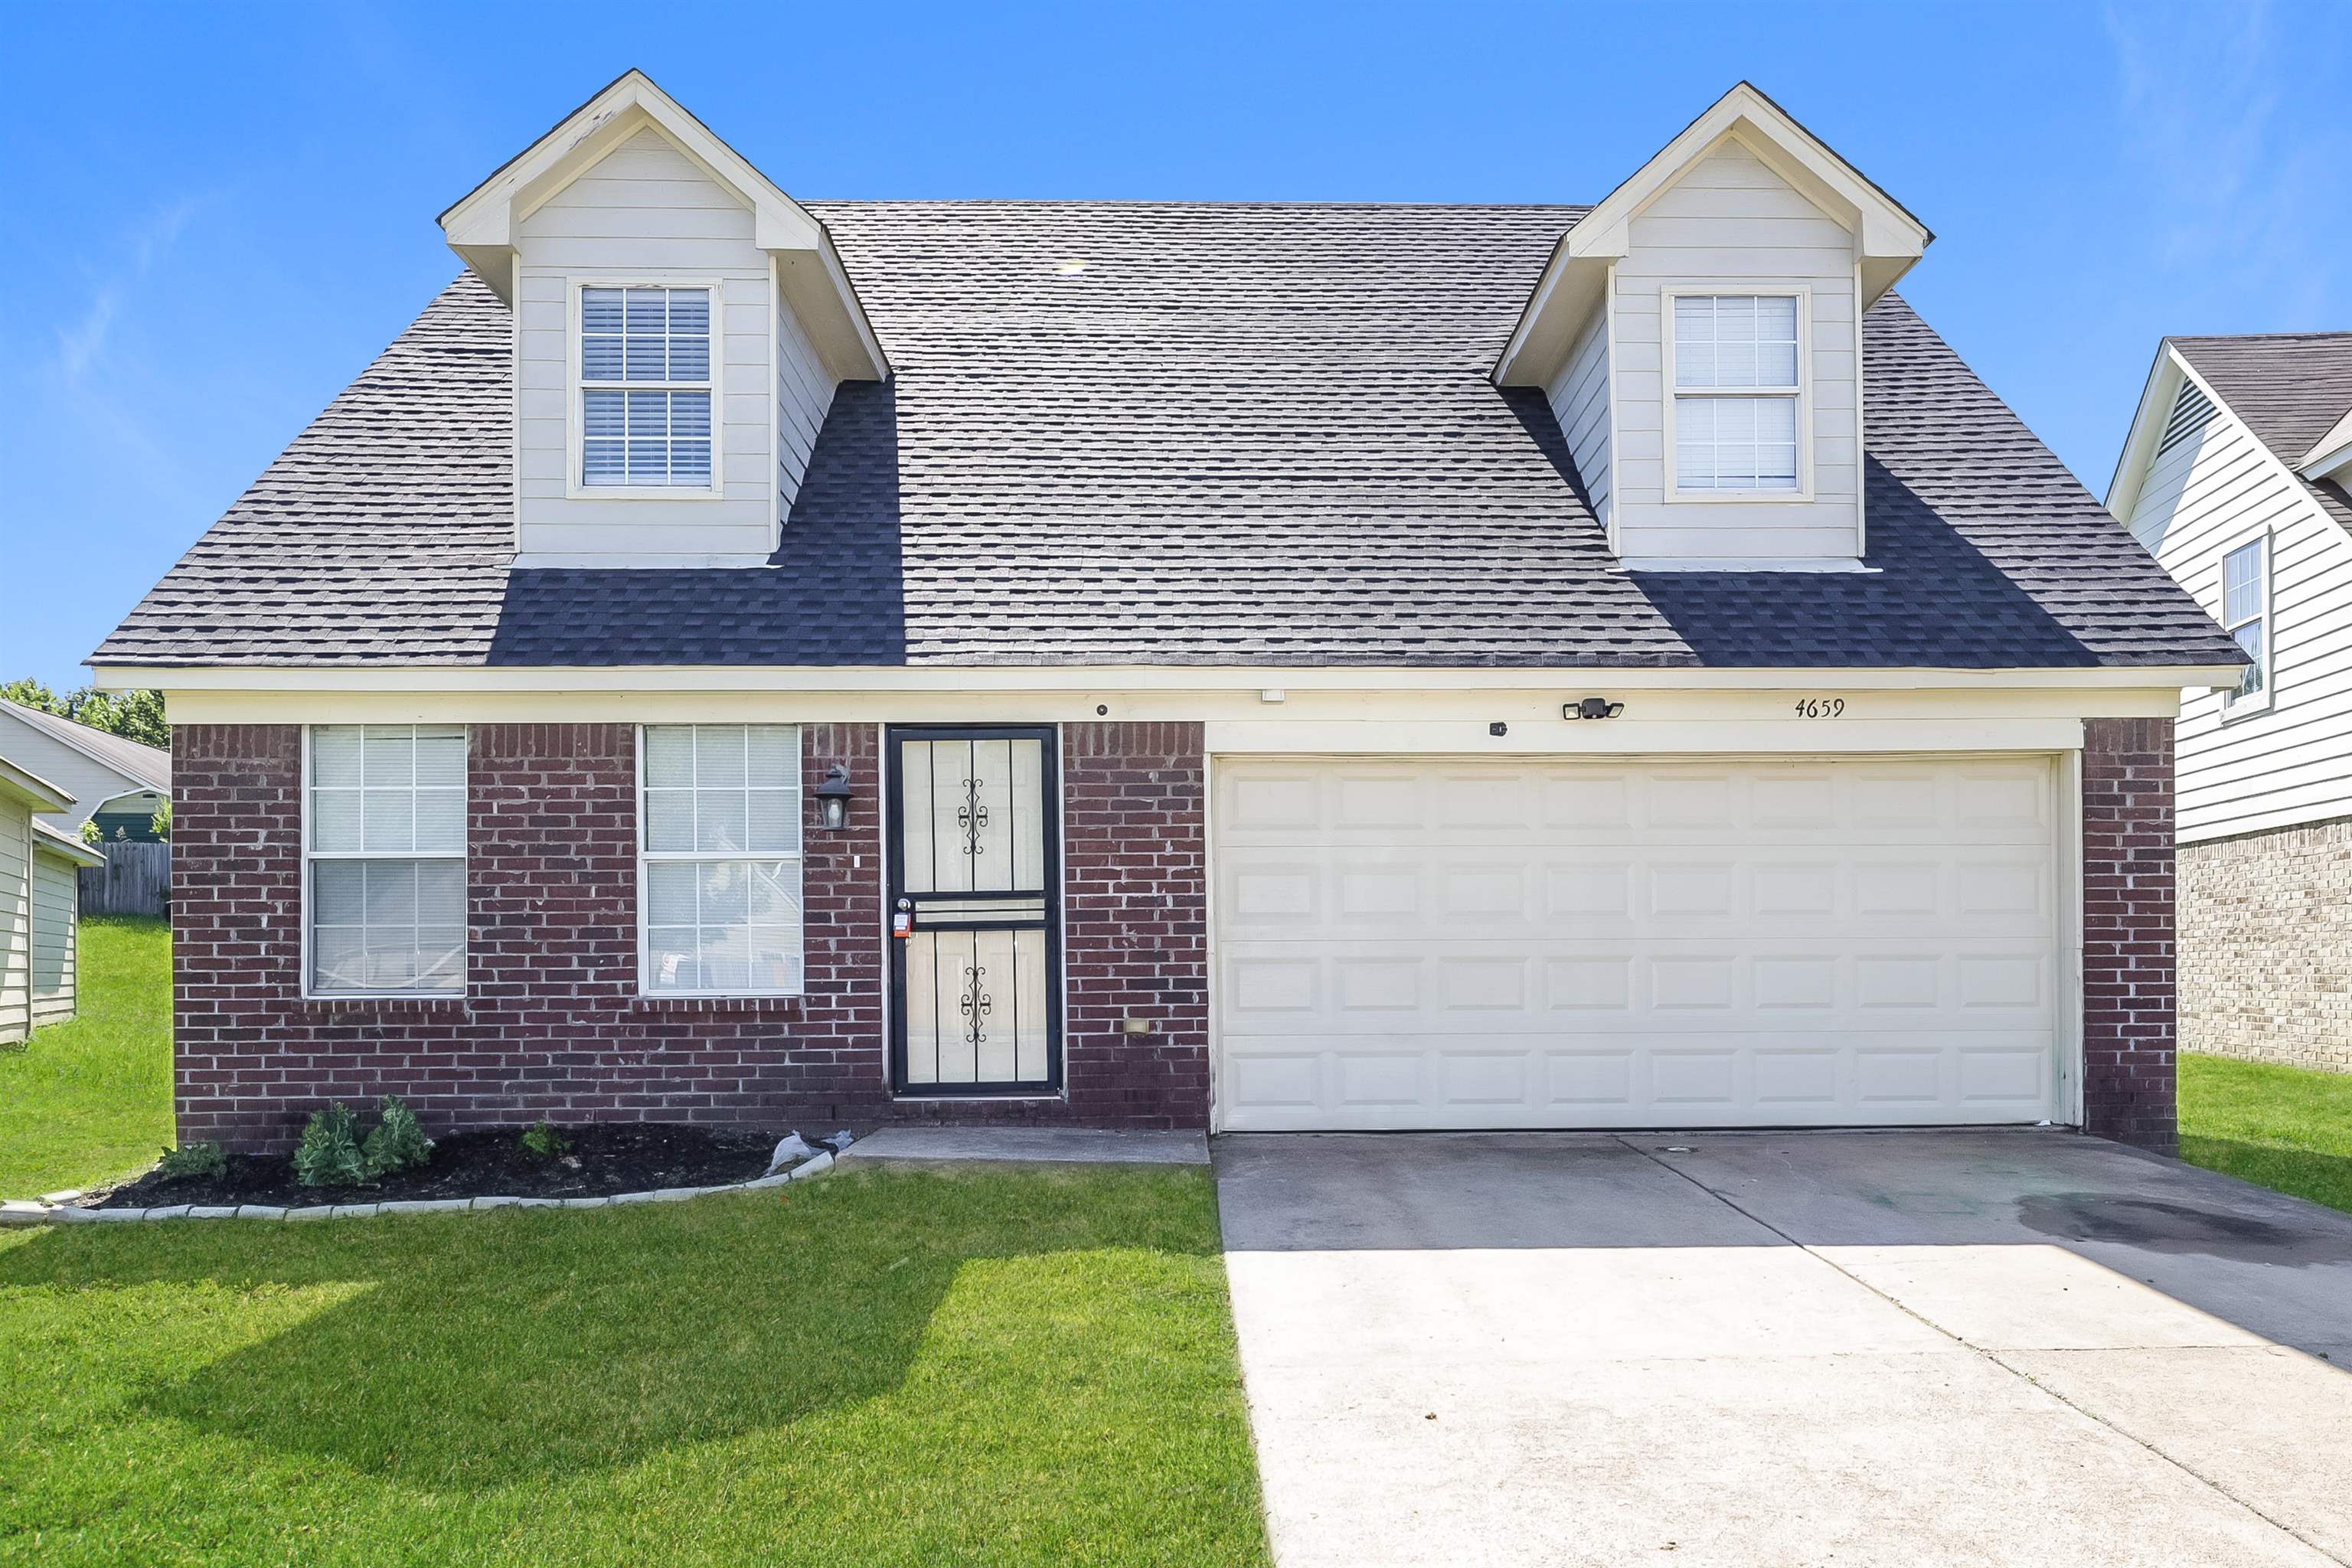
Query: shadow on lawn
[[487, 1350]]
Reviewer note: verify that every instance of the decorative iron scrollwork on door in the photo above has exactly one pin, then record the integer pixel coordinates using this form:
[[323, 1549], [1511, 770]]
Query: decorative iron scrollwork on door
[[975, 1008], [972, 818]]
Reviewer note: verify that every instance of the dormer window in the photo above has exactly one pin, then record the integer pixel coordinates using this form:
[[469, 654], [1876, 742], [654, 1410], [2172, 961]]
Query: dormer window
[[1738, 412], [645, 388]]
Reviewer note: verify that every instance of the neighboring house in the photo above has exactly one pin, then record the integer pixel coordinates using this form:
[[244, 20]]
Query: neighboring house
[[40, 903], [2235, 476], [117, 783], [1251, 665]]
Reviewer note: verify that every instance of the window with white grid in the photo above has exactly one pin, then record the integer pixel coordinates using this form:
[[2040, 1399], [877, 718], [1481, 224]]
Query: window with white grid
[[2245, 615], [646, 388], [720, 875], [384, 853], [1736, 392]]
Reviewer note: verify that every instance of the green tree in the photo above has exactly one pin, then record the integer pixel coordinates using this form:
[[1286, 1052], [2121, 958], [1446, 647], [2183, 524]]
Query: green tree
[[133, 715]]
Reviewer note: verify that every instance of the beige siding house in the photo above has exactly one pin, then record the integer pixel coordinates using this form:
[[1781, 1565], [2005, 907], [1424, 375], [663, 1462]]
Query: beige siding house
[[40, 903]]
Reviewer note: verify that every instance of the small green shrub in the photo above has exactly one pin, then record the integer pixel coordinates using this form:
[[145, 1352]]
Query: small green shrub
[[204, 1160], [398, 1142], [90, 835], [329, 1155], [541, 1141]]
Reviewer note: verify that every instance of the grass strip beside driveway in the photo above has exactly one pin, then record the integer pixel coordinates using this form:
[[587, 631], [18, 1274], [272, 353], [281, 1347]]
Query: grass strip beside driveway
[[2286, 1128], [883, 1367]]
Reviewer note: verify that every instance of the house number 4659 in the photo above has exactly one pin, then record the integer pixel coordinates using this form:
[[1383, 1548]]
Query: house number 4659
[[1821, 707]]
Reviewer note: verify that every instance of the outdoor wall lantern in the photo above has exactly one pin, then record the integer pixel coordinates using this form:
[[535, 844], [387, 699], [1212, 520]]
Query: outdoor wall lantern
[[833, 796], [1591, 708]]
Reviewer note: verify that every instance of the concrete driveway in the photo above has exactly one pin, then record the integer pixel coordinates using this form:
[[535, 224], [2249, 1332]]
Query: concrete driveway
[[1795, 1348]]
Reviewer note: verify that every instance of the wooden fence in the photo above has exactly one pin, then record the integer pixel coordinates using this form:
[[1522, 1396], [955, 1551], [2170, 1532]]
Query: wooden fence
[[135, 881]]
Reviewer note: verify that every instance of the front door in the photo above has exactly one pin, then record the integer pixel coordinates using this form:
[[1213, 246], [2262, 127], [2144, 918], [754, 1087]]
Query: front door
[[975, 869]]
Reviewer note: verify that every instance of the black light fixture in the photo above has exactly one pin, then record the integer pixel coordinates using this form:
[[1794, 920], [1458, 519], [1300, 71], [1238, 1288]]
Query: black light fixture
[[833, 796], [1591, 708]]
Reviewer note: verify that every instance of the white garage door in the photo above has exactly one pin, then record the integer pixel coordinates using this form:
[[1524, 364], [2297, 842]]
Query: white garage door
[[1464, 942]]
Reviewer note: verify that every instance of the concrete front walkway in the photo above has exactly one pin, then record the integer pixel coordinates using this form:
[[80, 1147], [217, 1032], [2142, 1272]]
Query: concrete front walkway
[[1804, 1348]]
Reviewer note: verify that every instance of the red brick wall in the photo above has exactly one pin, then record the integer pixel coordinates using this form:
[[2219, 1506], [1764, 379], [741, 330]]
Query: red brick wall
[[1135, 922], [551, 1025], [2129, 1071]]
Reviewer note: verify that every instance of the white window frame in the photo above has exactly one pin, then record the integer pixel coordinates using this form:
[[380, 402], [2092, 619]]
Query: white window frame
[[2234, 706], [574, 423], [458, 993], [647, 857], [1670, 394]]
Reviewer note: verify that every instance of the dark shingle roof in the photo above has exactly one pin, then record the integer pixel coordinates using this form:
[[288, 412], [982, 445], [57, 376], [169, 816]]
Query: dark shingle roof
[[1241, 434], [2289, 388]]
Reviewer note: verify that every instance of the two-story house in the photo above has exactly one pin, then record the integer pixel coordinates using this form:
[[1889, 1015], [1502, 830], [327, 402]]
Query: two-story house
[[1250, 664], [2235, 476]]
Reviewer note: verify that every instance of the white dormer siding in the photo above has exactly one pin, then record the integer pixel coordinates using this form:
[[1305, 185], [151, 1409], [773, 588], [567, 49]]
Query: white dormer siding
[[1731, 226], [803, 393], [1580, 401], [646, 213]]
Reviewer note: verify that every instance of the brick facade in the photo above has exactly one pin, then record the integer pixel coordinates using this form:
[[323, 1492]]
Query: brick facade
[[551, 1024], [2266, 946], [2129, 1070]]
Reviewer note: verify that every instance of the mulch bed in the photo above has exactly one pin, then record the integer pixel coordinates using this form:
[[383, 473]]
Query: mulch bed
[[604, 1159]]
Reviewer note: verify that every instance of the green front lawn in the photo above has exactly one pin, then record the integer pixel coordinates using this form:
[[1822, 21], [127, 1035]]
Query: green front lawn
[[2286, 1128], [89, 1101], [1011, 1367]]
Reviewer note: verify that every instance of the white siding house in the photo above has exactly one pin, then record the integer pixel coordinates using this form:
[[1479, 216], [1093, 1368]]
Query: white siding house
[[39, 903], [2230, 480]]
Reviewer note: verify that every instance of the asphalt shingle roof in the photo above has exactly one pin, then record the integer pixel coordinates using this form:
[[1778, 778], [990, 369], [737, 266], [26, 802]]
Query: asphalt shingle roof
[[2289, 388], [1129, 433]]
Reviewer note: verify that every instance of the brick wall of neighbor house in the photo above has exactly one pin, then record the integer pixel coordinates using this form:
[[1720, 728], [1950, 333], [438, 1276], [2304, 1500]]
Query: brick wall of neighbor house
[[551, 1025], [2266, 946], [2129, 1070]]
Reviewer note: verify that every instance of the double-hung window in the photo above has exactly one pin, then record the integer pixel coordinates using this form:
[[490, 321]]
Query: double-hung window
[[646, 388], [385, 859], [720, 881], [1738, 393], [2245, 615]]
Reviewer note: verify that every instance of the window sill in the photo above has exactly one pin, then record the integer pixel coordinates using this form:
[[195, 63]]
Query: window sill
[[1736, 564], [714, 1001], [642, 493]]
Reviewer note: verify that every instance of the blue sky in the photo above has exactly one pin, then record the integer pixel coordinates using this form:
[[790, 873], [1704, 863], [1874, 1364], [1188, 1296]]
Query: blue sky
[[213, 216]]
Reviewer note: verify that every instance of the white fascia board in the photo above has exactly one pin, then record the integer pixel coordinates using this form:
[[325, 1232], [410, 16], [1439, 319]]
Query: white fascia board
[[2332, 457], [24, 784], [48, 840], [1113, 679], [1888, 240], [2156, 395]]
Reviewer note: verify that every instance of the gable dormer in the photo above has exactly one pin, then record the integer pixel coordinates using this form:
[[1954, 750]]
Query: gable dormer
[[680, 326], [1699, 336]]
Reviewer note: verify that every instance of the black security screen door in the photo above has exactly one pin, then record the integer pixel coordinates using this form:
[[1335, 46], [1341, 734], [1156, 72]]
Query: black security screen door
[[975, 863]]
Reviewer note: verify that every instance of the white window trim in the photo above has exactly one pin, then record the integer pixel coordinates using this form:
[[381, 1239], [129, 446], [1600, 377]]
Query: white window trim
[[1669, 394], [463, 988], [2234, 707], [575, 385], [646, 990]]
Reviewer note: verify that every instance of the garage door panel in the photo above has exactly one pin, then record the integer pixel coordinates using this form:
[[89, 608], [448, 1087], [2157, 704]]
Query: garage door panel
[[1311, 989], [1705, 1079], [1670, 890], [1539, 942], [1533, 802]]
